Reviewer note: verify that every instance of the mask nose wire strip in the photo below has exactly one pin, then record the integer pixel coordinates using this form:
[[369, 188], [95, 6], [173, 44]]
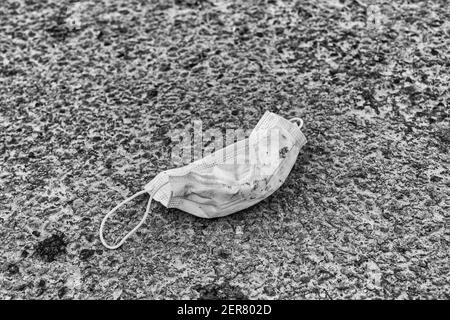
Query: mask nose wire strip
[[129, 234], [299, 122]]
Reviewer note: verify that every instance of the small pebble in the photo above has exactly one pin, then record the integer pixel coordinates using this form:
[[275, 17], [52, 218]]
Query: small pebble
[[269, 290], [77, 203]]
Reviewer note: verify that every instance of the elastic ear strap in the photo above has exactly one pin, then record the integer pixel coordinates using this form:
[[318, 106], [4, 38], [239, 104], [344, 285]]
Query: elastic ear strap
[[129, 234], [299, 122]]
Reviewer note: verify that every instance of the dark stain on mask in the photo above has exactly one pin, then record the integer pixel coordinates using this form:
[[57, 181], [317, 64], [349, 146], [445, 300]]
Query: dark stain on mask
[[260, 185], [283, 152], [187, 189], [51, 247], [223, 291]]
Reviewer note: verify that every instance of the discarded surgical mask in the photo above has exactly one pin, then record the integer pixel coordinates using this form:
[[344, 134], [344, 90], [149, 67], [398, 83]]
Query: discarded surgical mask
[[230, 179]]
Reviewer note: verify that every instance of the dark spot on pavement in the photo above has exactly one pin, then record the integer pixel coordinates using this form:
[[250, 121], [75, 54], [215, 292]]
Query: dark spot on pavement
[[58, 32], [152, 93], [164, 67], [61, 292], [12, 269], [40, 292], [444, 135], [224, 291], [23, 286], [224, 254], [85, 254], [41, 283], [305, 279], [51, 247]]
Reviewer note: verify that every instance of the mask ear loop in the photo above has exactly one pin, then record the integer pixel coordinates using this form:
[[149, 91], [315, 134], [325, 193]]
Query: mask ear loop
[[299, 122], [129, 234]]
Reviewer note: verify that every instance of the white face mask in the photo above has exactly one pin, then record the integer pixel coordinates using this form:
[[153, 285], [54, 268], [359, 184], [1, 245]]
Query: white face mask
[[229, 180]]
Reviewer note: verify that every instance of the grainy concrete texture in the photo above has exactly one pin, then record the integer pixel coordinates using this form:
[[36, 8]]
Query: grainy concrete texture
[[90, 91]]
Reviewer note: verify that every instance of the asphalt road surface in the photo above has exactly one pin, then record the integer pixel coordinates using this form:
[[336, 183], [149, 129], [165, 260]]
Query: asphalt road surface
[[91, 90]]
